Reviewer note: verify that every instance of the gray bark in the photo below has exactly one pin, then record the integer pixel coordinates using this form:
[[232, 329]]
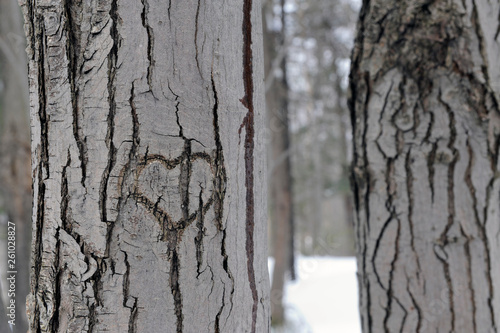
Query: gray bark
[[424, 102], [148, 166], [15, 171]]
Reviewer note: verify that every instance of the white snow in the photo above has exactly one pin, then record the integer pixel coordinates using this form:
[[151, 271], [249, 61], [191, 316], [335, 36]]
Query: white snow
[[324, 299]]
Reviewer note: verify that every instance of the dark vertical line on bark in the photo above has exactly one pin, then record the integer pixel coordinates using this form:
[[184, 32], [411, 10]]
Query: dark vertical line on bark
[[67, 227], [472, 191], [132, 324], [43, 164], [419, 311], [196, 37], [198, 240], [64, 196], [366, 203], [72, 53], [149, 31], [431, 159], [409, 193], [248, 124], [451, 203], [220, 193], [135, 127], [390, 293], [482, 234], [54, 320], [175, 288], [112, 58]]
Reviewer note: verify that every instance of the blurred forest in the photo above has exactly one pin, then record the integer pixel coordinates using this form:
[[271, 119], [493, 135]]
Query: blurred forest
[[307, 47]]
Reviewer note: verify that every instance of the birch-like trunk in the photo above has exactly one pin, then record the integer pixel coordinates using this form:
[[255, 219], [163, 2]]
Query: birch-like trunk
[[148, 166], [425, 110]]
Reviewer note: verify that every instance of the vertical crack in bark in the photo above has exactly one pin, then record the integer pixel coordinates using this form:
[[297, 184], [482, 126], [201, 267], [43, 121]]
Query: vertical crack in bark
[[54, 321], [382, 111], [43, 164], [366, 175], [472, 191], [431, 159], [168, 12], [96, 282], [103, 190], [136, 140], [68, 228], [196, 37], [419, 311], [364, 280], [174, 282], [132, 324], [150, 51], [220, 193], [248, 124], [451, 204], [411, 204], [390, 291], [481, 227], [64, 197], [198, 240], [365, 185], [72, 53]]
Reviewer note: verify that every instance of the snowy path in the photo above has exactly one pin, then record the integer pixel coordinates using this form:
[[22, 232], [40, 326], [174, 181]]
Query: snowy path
[[325, 297]]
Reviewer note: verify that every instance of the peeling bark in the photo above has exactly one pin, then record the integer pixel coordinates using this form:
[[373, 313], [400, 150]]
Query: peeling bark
[[426, 120], [141, 221]]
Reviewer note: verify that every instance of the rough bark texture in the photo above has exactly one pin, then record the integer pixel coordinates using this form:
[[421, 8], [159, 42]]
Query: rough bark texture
[[425, 92], [148, 166], [15, 171]]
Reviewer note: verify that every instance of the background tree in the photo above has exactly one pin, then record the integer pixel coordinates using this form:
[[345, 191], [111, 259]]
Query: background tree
[[321, 34], [424, 103], [148, 166], [15, 173], [280, 178]]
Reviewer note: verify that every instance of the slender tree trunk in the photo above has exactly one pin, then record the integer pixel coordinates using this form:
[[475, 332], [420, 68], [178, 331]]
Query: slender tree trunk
[[148, 165], [280, 177], [424, 104], [15, 177]]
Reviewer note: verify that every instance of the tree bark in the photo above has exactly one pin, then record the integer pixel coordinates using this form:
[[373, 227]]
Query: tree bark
[[424, 105], [148, 166], [15, 172]]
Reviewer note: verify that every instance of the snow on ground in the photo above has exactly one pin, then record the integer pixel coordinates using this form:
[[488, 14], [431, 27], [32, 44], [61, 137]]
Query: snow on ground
[[324, 299]]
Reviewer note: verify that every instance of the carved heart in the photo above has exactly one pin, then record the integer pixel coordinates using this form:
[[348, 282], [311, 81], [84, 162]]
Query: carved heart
[[175, 191]]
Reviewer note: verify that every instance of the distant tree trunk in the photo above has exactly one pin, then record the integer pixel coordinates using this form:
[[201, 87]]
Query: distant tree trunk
[[15, 172], [425, 110], [280, 177], [148, 165]]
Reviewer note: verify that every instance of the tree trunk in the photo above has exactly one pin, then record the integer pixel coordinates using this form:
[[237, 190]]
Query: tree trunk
[[15, 172], [280, 177], [425, 112], [148, 165]]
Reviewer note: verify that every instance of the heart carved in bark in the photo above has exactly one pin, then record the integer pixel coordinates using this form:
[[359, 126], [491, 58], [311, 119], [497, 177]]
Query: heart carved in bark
[[176, 190]]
